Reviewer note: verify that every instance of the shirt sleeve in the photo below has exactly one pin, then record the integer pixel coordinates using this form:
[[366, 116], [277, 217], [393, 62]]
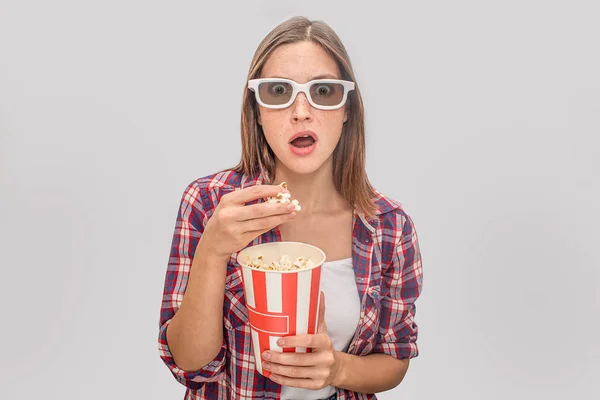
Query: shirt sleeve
[[402, 284], [189, 226]]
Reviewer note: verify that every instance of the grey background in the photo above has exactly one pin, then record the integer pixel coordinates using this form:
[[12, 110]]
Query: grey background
[[482, 120]]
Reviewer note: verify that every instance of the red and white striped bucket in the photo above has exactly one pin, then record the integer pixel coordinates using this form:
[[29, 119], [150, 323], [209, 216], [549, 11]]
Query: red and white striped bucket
[[281, 303]]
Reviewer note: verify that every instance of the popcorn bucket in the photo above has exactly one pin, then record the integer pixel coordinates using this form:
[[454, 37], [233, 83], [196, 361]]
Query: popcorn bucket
[[281, 303]]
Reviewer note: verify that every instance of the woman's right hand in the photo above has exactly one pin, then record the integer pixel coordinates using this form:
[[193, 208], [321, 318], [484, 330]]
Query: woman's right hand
[[234, 224]]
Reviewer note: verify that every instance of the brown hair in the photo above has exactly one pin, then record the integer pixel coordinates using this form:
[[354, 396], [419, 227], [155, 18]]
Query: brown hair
[[349, 174]]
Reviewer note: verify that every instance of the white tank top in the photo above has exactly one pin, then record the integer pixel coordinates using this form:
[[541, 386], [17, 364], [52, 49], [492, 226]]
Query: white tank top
[[342, 312]]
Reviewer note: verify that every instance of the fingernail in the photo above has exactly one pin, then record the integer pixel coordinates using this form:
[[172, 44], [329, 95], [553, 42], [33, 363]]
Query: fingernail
[[267, 355], [281, 342], [290, 207], [266, 365]]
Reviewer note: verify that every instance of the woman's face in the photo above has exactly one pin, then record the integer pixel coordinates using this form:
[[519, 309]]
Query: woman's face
[[301, 62]]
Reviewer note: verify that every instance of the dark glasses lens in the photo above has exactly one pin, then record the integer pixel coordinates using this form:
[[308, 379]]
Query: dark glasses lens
[[275, 93], [327, 93]]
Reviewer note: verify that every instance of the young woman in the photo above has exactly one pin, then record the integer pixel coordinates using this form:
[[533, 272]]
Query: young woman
[[302, 123]]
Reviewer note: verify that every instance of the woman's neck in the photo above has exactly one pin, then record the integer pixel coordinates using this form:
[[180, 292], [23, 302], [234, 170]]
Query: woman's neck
[[315, 192]]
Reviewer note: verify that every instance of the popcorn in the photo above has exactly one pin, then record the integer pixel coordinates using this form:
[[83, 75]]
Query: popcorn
[[284, 198], [284, 263]]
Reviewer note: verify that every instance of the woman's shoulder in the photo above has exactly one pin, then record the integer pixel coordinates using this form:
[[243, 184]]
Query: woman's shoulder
[[227, 180], [391, 212], [207, 190]]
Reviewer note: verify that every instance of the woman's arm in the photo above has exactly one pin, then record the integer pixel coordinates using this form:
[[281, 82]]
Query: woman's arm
[[191, 340], [195, 334], [191, 325], [372, 373], [325, 366], [385, 368]]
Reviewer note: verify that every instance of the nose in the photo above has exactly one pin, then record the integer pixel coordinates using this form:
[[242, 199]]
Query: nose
[[301, 108]]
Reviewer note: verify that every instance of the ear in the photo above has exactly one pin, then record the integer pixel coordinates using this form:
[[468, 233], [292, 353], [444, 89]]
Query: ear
[[258, 117], [345, 114]]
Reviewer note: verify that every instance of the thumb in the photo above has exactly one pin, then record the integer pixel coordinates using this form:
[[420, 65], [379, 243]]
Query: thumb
[[322, 327]]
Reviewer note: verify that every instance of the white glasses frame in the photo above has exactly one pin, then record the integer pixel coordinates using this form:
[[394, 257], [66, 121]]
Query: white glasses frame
[[301, 87]]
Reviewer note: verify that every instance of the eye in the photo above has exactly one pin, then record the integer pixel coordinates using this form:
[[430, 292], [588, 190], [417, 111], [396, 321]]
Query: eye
[[278, 89], [323, 90]]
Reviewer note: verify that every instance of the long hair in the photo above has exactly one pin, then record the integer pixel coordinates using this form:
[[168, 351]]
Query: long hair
[[349, 173]]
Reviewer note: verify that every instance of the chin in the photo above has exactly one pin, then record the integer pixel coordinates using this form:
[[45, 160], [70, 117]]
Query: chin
[[303, 167]]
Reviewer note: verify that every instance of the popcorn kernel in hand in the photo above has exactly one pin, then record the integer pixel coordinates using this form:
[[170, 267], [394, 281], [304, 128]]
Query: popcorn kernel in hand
[[284, 198]]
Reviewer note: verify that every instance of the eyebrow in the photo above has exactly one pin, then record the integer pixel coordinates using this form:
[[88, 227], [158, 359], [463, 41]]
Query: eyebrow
[[321, 76], [324, 76]]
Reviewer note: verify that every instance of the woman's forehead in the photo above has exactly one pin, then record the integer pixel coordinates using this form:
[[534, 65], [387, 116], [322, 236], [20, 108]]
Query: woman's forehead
[[300, 62]]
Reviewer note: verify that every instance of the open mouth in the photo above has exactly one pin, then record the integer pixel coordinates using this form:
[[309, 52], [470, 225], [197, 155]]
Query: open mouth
[[303, 141]]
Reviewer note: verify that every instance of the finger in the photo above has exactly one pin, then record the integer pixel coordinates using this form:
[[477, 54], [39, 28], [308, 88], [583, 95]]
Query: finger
[[251, 235], [262, 210], [294, 359], [251, 193], [317, 341], [295, 382], [266, 223], [322, 327], [292, 371]]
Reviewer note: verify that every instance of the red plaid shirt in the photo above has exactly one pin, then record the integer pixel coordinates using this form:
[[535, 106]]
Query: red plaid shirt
[[387, 265]]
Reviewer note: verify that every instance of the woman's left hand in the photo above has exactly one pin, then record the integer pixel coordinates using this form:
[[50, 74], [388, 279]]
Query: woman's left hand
[[314, 370]]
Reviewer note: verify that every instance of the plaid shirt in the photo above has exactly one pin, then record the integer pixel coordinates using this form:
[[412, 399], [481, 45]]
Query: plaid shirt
[[387, 266]]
